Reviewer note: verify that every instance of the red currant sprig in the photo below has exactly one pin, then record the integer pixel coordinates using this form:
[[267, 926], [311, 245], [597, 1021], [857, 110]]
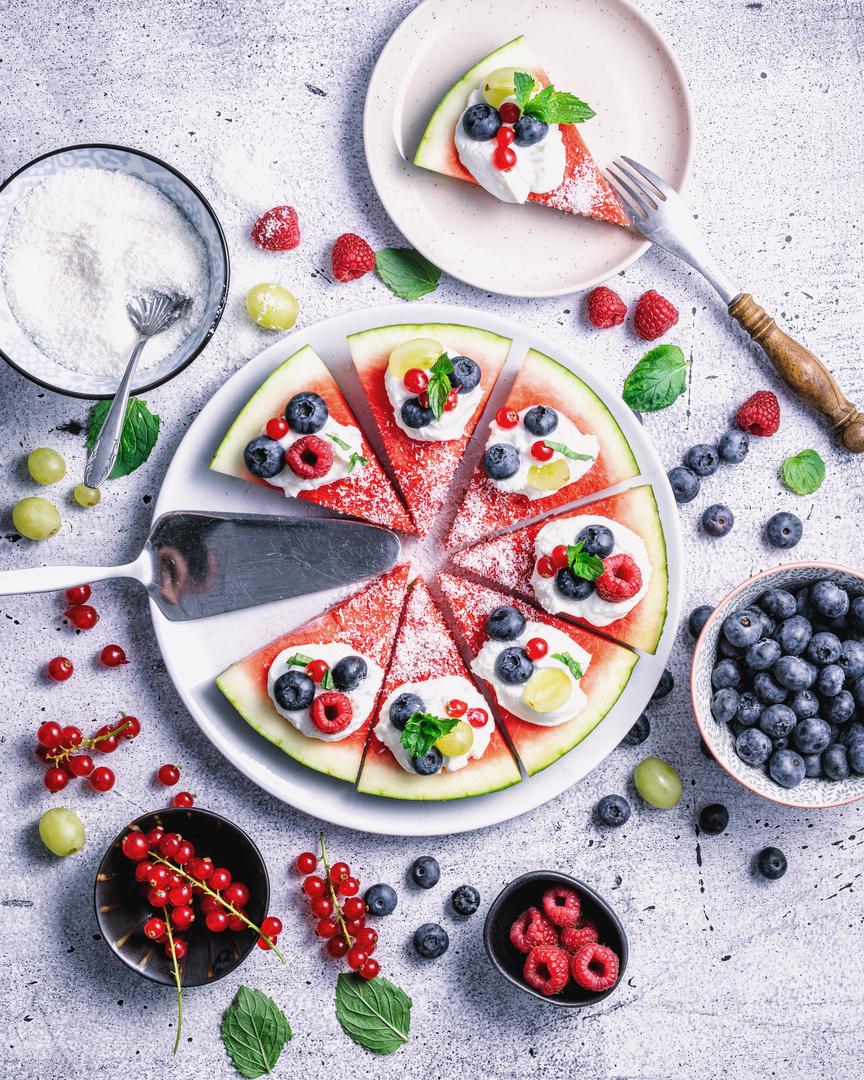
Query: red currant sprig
[[62, 749]]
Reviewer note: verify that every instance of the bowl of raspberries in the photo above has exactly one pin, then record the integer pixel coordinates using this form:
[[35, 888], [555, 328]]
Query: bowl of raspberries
[[555, 938], [778, 683]]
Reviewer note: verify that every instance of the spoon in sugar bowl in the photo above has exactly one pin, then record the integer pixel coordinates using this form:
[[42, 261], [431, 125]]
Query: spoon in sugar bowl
[[150, 315]]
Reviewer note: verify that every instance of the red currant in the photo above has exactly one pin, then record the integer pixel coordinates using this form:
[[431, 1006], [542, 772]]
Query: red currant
[[200, 868], [277, 428], [339, 872], [142, 869], [210, 903], [182, 917], [337, 947], [423, 399], [78, 594], [217, 921], [135, 846], [354, 908], [455, 707], [509, 112], [59, 669], [168, 775], [44, 754], [220, 879], [179, 950], [317, 669], [157, 898], [349, 887], [505, 136], [540, 451], [113, 656], [174, 879], [321, 907], [314, 886], [327, 928], [235, 922], [353, 925], [158, 877], [154, 928], [82, 616], [355, 958], [180, 895], [451, 402], [72, 737], [507, 418], [306, 863], [184, 853], [264, 944], [370, 969], [55, 779], [183, 798], [560, 557], [236, 894], [415, 380], [367, 939], [50, 735], [503, 158], [170, 843], [546, 568], [536, 648], [155, 835], [106, 741], [477, 717], [271, 926]]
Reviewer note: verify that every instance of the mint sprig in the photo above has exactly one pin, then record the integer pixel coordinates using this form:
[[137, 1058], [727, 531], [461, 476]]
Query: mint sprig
[[439, 385], [423, 729], [804, 472], [573, 666], [549, 105], [139, 435], [254, 1030], [567, 452], [583, 564]]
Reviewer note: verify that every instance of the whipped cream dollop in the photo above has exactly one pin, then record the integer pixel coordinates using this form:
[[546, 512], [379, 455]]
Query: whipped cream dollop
[[566, 434], [452, 423], [291, 483]]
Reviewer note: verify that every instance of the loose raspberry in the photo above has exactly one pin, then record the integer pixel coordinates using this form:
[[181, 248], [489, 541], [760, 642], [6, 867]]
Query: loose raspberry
[[760, 414], [621, 579], [547, 969], [561, 905], [532, 928], [331, 713], [310, 457], [277, 230], [595, 967], [653, 316], [605, 308], [575, 938], [352, 257]]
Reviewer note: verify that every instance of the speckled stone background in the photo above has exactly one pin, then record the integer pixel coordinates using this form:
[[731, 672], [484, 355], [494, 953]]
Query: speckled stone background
[[729, 975]]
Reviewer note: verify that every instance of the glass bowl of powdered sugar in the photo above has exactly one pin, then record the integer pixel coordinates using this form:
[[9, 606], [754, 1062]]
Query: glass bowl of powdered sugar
[[85, 229]]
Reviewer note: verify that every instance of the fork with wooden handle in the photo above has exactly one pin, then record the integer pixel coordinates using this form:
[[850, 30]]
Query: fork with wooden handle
[[661, 215]]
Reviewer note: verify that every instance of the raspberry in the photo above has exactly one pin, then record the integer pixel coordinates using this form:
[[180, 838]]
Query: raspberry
[[532, 928], [310, 457], [547, 969], [561, 905], [653, 316], [605, 308], [621, 579], [277, 230], [352, 258], [575, 938], [331, 713], [595, 967], [760, 414]]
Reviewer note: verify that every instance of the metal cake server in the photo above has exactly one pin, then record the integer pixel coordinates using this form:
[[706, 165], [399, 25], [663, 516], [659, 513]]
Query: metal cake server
[[660, 214], [196, 564]]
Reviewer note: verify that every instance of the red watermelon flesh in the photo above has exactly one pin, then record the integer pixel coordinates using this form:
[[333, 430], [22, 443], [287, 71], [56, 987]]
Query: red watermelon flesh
[[425, 649], [367, 622], [509, 561], [603, 682]]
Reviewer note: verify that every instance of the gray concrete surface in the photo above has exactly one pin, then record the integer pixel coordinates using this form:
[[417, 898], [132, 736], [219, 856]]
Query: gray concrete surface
[[730, 976]]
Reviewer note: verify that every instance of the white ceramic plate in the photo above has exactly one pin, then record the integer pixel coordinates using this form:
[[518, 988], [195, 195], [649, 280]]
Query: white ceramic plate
[[196, 652], [605, 51]]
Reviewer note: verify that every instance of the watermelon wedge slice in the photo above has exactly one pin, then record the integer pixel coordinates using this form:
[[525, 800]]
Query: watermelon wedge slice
[[365, 492], [425, 650], [509, 560], [604, 681], [424, 470], [584, 190], [543, 381], [367, 622]]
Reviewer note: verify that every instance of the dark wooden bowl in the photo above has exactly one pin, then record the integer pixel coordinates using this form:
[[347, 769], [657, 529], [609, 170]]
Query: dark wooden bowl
[[121, 910], [527, 891]]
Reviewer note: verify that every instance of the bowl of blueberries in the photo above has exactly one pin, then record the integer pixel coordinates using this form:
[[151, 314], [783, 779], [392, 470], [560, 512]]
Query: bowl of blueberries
[[778, 683]]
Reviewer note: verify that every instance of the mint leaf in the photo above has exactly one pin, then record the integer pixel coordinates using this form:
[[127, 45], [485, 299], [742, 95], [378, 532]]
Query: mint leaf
[[658, 379], [584, 565], [567, 452], [439, 385], [407, 272], [574, 667], [254, 1031], [139, 435], [299, 659], [804, 472], [327, 682], [422, 730], [357, 459], [373, 1012], [553, 107], [524, 84], [338, 441]]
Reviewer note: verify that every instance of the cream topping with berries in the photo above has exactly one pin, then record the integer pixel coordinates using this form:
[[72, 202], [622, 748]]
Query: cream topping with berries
[[533, 471], [342, 465], [452, 423]]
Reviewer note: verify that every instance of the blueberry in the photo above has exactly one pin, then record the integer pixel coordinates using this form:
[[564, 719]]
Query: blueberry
[[856, 612], [698, 617], [750, 708], [724, 705], [294, 690], [781, 744], [465, 900], [771, 863], [786, 768], [381, 900], [753, 746], [839, 709], [835, 731], [403, 708], [851, 659], [501, 461], [829, 599], [811, 736], [857, 690], [613, 810], [793, 673], [706, 750], [505, 623], [431, 941], [713, 819], [528, 130], [639, 732], [736, 728], [851, 734], [306, 413], [835, 762], [573, 587], [855, 754], [465, 374], [742, 628], [415, 415], [824, 648], [812, 764], [541, 420], [769, 623], [779, 603], [783, 530], [830, 681], [778, 721], [804, 704], [597, 540], [349, 673], [726, 648], [717, 520], [804, 605], [264, 457], [702, 459], [481, 122], [733, 446], [726, 673], [685, 484], [429, 763], [768, 690], [763, 655], [665, 685], [425, 871], [793, 635], [514, 666]]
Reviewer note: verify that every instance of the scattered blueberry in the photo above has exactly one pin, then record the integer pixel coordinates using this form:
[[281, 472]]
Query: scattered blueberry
[[851, 659], [572, 586], [713, 819], [753, 746], [726, 673], [786, 768], [717, 520], [780, 603], [431, 941], [685, 484], [793, 673], [750, 709], [830, 680], [541, 420], [481, 122], [829, 599], [665, 685], [839, 709], [763, 655], [772, 863], [465, 900], [724, 705], [415, 415], [639, 732], [613, 810], [505, 623], [294, 690], [403, 708], [768, 689], [264, 457], [348, 673], [824, 648], [706, 750], [514, 666], [597, 540], [804, 703], [381, 900], [769, 623], [835, 762], [811, 736], [429, 763], [702, 459], [698, 617], [306, 413], [783, 530], [742, 628], [778, 721], [425, 871], [528, 130], [793, 635], [734, 446], [501, 461]]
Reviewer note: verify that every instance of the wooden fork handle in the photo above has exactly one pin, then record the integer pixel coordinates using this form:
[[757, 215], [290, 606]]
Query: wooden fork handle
[[802, 372]]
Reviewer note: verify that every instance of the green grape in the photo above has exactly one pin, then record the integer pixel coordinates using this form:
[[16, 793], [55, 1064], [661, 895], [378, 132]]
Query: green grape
[[272, 306], [657, 783], [62, 831], [86, 496], [46, 466], [456, 742], [499, 84], [37, 519]]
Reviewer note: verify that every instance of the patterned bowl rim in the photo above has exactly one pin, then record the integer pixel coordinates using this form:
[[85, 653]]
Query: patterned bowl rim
[[697, 659], [225, 280]]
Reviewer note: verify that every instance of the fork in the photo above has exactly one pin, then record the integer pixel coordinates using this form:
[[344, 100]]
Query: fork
[[661, 215]]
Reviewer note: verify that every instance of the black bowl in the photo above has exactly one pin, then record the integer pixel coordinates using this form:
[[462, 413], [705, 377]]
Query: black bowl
[[121, 910], [527, 891]]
